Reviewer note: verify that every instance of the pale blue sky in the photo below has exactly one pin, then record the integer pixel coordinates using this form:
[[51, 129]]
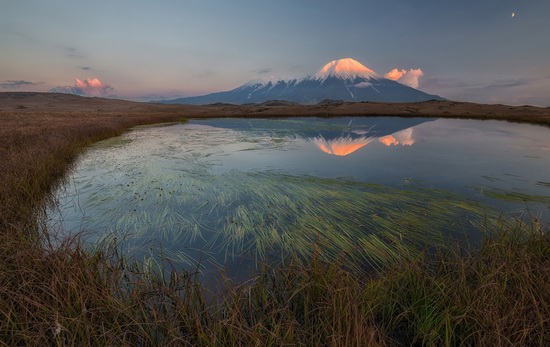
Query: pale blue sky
[[468, 50]]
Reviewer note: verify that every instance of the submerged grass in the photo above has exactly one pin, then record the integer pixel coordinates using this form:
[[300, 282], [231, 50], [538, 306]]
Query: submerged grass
[[238, 214], [516, 196], [70, 295]]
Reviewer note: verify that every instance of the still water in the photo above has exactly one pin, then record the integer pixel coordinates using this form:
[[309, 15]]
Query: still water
[[229, 193]]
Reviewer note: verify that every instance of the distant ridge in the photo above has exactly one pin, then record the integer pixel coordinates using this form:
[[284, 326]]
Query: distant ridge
[[344, 79]]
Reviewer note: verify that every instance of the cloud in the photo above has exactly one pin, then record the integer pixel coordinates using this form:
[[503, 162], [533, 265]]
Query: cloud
[[75, 56], [156, 97], [510, 83], [437, 83], [363, 85], [85, 68], [87, 87], [453, 83], [17, 84], [206, 73], [93, 86], [407, 77], [72, 52], [395, 74], [262, 71]]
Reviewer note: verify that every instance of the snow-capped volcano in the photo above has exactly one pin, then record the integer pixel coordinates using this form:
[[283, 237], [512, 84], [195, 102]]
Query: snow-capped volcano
[[344, 79], [346, 68]]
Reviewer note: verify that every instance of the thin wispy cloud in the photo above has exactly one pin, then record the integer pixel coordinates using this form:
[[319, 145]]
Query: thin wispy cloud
[[18, 84], [206, 73], [72, 52], [85, 68], [262, 71], [75, 56], [511, 83], [453, 83]]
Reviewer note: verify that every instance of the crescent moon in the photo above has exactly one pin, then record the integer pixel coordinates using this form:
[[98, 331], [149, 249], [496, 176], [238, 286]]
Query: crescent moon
[[513, 14]]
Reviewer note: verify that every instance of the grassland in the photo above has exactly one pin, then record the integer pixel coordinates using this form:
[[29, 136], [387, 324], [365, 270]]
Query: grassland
[[67, 295]]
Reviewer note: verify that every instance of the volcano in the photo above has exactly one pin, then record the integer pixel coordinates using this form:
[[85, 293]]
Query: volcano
[[344, 79]]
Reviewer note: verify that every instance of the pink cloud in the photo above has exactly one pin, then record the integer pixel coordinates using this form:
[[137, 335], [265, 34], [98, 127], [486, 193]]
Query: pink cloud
[[395, 74], [407, 77], [93, 87]]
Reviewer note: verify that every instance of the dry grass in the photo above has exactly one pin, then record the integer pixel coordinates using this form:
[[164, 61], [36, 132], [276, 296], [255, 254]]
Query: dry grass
[[499, 295]]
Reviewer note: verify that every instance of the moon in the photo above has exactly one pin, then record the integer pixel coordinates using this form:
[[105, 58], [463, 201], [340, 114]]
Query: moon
[[513, 14]]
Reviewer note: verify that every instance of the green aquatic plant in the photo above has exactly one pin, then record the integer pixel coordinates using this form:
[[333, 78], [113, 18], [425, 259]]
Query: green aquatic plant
[[270, 215], [516, 196]]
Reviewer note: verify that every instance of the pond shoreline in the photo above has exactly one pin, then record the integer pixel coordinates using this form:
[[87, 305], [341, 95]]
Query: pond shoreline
[[24, 103]]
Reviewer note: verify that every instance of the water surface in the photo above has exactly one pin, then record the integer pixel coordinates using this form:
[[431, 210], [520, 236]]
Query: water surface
[[231, 192]]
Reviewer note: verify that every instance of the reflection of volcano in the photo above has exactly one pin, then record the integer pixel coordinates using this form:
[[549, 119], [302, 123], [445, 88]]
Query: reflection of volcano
[[338, 136], [341, 146]]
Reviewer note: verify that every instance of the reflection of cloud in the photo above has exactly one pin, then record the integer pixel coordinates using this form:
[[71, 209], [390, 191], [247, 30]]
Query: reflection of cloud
[[407, 77], [342, 146], [389, 140], [11, 84], [87, 87], [403, 138]]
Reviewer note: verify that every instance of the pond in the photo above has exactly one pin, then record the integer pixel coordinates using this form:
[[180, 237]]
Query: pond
[[232, 193]]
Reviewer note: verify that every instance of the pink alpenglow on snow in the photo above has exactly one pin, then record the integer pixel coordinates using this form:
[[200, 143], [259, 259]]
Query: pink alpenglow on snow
[[346, 68]]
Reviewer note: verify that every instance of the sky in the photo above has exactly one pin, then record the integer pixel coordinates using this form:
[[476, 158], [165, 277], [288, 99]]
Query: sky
[[487, 51]]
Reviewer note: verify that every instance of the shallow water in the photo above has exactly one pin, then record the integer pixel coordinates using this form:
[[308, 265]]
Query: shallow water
[[232, 192]]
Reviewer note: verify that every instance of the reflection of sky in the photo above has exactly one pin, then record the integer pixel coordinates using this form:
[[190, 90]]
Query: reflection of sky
[[464, 156]]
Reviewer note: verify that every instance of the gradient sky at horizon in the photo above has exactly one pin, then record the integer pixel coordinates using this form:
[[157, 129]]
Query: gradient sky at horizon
[[468, 50]]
